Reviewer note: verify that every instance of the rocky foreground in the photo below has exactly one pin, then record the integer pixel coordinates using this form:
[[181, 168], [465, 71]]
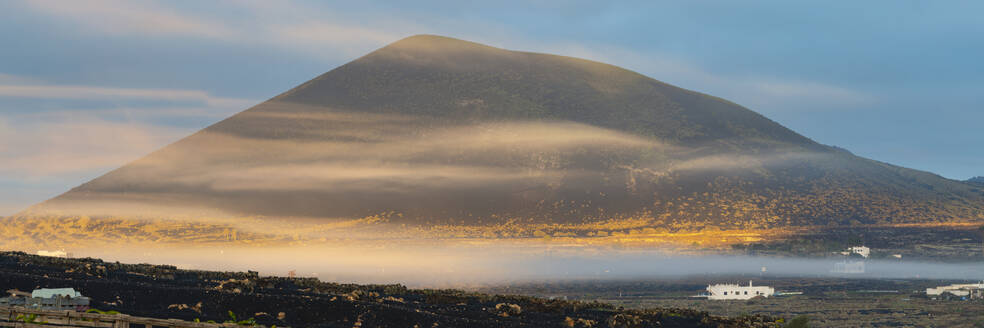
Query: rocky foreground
[[167, 292]]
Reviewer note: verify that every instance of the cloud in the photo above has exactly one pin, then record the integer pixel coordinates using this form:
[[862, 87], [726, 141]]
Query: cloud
[[795, 94], [40, 91], [324, 38], [15, 79], [376, 178], [75, 102], [321, 33], [296, 28], [318, 31], [70, 146], [135, 17], [67, 138], [760, 93], [324, 34], [739, 161]]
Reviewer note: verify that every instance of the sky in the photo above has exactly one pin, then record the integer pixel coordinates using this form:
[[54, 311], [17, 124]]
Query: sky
[[87, 86]]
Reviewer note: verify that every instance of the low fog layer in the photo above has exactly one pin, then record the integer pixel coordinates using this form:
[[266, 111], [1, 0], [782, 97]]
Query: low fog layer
[[468, 266]]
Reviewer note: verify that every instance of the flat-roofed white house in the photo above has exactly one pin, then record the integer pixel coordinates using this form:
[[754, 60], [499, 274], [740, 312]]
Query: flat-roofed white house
[[55, 292], [864, 251], [737, 292]]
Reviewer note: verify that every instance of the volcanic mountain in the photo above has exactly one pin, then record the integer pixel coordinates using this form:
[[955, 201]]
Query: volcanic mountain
[[432, 130]]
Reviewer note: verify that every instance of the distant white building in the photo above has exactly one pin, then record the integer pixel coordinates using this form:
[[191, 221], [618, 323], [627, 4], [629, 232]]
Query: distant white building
[[961, 290], [58, 253], [736, 292], [864, 251], [55, 292]]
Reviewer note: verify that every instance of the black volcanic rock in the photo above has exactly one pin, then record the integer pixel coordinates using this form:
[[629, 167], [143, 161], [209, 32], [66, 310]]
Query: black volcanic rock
[[151, 290], [442, 130]]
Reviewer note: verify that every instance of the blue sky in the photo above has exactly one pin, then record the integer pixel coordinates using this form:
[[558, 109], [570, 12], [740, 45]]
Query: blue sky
[[86, 86]]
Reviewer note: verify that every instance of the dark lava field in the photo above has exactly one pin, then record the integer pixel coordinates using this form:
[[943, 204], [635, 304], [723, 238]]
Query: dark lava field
[[162, 291]]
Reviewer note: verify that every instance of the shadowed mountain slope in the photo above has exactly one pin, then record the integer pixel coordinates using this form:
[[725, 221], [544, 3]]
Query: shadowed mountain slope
[[434, 129], [448, 78]]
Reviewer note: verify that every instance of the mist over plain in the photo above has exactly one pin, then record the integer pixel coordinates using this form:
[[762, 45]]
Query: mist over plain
[[463, 266]]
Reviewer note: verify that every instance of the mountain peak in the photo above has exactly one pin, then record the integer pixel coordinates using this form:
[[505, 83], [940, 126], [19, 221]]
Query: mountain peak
[[431, 40], [440, 52], [421, 46], [459, 80]]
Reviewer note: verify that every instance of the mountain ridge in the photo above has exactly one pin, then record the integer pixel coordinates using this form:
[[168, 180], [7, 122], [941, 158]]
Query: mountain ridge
[[514, 64]]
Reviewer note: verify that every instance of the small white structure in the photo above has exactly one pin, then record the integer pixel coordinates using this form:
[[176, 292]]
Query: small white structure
[[53, 292], [58, 253], [961, 290], [736, 292], [864, 251]]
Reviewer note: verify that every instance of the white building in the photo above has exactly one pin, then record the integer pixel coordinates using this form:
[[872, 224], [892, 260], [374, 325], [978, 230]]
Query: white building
[[736, 292], [962, 290], [864, 251], [58, 253], [55, 292]]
